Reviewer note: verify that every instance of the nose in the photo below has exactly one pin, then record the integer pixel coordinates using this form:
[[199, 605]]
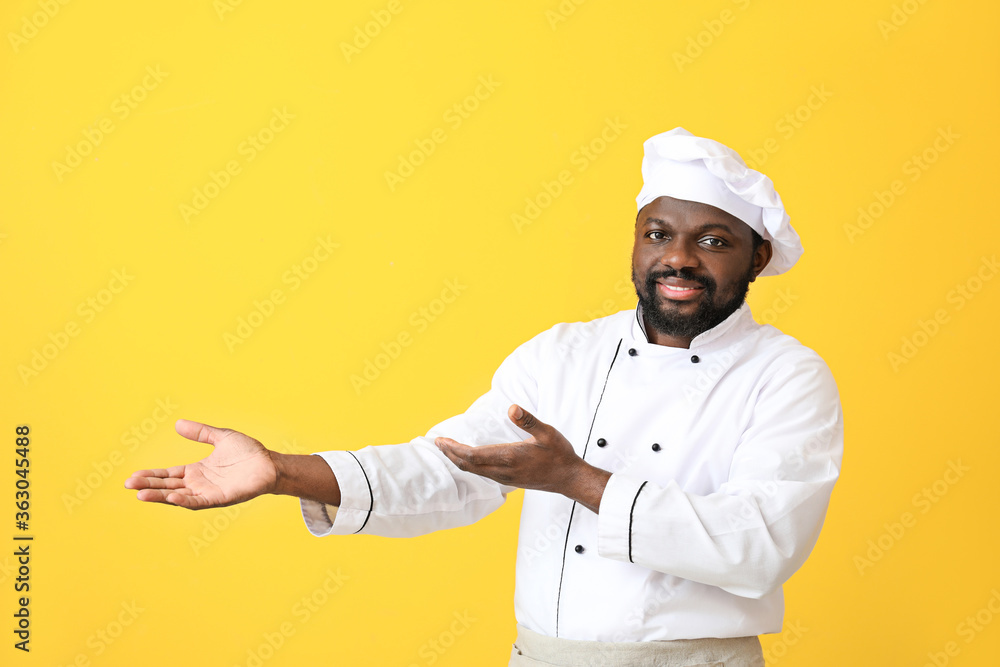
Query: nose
[[680, 254]]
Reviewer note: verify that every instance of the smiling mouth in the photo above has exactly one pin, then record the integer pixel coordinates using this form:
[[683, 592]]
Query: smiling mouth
[[679, 292]]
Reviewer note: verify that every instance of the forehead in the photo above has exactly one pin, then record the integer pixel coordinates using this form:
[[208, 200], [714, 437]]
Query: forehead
[[684, 213]]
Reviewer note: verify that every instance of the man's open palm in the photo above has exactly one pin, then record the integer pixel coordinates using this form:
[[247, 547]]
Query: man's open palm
[[238, 469]]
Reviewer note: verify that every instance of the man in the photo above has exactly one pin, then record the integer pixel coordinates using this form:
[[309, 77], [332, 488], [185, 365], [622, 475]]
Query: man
[[682, 454]]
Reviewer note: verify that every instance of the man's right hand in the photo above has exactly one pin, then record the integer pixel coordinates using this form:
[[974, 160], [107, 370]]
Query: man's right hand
[[238, 469]]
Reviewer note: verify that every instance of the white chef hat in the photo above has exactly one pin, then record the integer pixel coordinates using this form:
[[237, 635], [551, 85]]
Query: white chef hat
[[680, 165]]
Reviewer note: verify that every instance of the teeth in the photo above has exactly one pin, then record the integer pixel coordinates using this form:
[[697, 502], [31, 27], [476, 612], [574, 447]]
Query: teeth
[[679, 289]]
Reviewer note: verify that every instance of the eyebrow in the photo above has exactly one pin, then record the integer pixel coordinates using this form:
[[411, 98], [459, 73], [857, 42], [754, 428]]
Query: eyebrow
[[699, 230]]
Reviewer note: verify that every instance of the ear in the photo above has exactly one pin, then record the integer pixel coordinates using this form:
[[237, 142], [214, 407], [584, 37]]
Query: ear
[[761, 256]]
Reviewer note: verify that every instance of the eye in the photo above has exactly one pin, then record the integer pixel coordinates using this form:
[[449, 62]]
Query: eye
[[714, 242], [656, 235]]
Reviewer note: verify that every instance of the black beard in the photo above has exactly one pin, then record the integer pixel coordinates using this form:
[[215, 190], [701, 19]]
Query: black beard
[[704, 318]]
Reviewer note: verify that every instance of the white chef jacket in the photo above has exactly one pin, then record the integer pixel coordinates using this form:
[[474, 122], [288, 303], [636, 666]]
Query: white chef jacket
[[723, 457]]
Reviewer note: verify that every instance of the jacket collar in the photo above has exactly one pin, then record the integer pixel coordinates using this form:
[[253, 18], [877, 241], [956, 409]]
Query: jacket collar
[[724, 333]]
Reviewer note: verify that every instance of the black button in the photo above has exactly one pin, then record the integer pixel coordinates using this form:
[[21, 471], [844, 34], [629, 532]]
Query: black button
[[694, 359], [578, 549], [632, 352], [601, 442], [656, 447]]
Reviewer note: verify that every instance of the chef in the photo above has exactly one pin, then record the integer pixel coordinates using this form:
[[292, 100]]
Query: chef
[[678, 458]]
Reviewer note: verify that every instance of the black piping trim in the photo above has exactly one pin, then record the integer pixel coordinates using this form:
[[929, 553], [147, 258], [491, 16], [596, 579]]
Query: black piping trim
[[634, 500], [562, 570], [370, 494], [569, 524], [638, 320]]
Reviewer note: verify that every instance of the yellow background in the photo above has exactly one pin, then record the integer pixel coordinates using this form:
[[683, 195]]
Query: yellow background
[[885, 80]]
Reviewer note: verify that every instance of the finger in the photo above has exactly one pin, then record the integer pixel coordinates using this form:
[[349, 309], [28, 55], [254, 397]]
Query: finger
[[198, 432], [489, 461], [152, 496], [184, 498], [159, 495], [526, 421], [175, 471], [454, 449], [464, 461], [142, 479], [154, 483], [459, 462], [451, 448], [483, 456], [181, 498], [443, 443]]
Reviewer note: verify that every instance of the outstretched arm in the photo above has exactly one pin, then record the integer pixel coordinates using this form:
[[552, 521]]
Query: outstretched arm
[[238, 469]]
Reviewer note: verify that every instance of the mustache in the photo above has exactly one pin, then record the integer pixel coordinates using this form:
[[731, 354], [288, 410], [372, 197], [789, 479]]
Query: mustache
[[684, 274]]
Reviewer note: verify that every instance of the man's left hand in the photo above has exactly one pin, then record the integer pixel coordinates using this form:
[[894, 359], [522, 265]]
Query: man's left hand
[[546, 461]]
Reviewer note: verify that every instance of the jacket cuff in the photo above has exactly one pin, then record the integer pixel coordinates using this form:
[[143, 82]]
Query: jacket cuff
[[356, 498], [614, 518]]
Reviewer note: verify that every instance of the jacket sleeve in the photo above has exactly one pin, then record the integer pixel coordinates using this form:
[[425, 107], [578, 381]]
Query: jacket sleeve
[[757, 529], [412, 488]]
